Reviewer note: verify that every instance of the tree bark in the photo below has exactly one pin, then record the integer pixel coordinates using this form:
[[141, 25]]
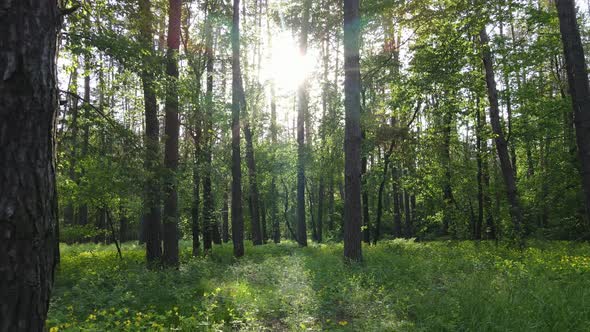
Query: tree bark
[[69, 211], [208, 204], [83, 209], [196, 201], [302, 105], [171, 130], [579, 88], [366, 227], [151, 199], [236, 200], [501, 145], [352, 132], [28, 202], [397, 202], [225, 218], [448, 198], [480, 195], [377, 228]]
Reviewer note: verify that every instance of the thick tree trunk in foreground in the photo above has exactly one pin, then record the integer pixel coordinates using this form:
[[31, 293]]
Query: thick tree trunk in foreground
[[151, 200], [352, 132], [28, 203], [501, 145], [171, 129], [237, 219], [579, 87]]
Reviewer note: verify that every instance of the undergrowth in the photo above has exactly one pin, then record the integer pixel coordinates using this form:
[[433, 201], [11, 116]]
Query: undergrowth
[[400, 286]]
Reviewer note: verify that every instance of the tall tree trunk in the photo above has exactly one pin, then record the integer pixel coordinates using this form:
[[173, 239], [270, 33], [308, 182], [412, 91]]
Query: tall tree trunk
[[377, 228], [314, 234], [302, 105], [254, 199], [208, 204], [83, 209], [501, 145], [397, 202], [352, 132], [237, 218], [151, 199], [366, 229], [171, 130], [579, 88], [448, 198], [69, 211], [331, 204], [276, 230], [225, 218], [28, 202], [196, 199], [480, 153], [409, 227], [320, 219], [263, 222]]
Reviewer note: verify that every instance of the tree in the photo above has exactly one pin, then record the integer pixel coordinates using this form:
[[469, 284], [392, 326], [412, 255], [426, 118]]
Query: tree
[[578, 86], [28, 202], [501, 145], [237, 219], [208, 204], [352, 138], [302, 104], [171, 130], [151, 200]]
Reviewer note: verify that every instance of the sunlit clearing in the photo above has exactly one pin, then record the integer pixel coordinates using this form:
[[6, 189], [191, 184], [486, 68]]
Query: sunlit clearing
[[287, 67]]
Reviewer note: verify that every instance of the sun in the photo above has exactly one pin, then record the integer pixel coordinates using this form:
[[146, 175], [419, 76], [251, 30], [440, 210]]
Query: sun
[[286, 67]]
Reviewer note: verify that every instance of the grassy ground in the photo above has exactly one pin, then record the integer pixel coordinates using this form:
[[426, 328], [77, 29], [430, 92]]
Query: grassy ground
[[401, 286]]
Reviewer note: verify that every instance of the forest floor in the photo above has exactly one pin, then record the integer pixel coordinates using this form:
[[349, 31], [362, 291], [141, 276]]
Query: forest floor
[[400, 286]]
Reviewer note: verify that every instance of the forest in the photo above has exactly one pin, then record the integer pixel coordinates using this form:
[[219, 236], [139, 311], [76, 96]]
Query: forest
[[294, 165]]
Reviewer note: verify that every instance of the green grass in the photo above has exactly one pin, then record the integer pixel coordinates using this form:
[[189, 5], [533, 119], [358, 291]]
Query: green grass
[[401, 286]]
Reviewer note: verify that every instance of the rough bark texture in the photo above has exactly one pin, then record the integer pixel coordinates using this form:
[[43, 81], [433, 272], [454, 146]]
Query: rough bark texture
[[28, 204], [237, 218], [501, 145], [352, 132], [302, 104], [171, 129], [151, 199], [578, 86]]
